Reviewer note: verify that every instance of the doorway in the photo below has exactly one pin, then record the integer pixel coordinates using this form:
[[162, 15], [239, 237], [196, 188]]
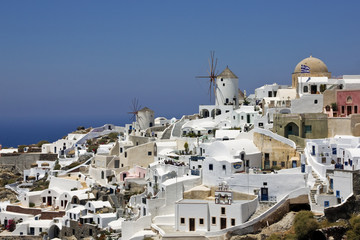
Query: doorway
[[348, 109], [191, 224], [49, 200], [313, 89], [222, 223]]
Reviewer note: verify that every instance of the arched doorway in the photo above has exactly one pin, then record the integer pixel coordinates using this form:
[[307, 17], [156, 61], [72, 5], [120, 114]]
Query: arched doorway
[[54, 232], [291, 129], [205, 113]]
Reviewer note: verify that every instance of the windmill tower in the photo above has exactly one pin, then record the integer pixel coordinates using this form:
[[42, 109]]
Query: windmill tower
[[227, 85], [142, 118]]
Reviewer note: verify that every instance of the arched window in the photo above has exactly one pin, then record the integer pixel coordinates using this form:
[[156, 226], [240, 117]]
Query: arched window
[[306, 89], [349, 99]]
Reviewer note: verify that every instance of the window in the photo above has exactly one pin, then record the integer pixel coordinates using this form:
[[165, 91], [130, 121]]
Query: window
[[117, 163], [306, 89], [274, 163], [126, 154], [307, 128], [121, 150], [349, 99], [315, 101], [355, 109], [342, 109], [224, 84], [233, 222], [213, 220], [222, 79], [149, 153], [182, 220], [211, 167], [224, 167], [282, 164], [334, 151], [40, 230], [98, 220], [242, 117], [223, 211], [201, 221]]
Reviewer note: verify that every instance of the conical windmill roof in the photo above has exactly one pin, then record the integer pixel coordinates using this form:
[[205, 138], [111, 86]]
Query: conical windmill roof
[[145, 109], [227, 73]]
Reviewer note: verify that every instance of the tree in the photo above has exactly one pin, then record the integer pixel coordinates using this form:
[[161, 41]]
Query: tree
[[186, 146], [80, 128]]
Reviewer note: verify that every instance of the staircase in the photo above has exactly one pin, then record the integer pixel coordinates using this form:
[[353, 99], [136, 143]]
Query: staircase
[[115, 201], [167, 132], [314, 188], [263, 207], [177, 128]]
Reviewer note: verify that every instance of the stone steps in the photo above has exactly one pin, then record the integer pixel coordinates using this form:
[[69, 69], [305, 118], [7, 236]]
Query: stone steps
[[263, 207]]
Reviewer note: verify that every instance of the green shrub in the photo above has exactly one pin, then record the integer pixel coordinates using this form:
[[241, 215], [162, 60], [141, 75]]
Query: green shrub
[[304, 224], [31, 204], [354, 232], [274, 237], [113, 135]]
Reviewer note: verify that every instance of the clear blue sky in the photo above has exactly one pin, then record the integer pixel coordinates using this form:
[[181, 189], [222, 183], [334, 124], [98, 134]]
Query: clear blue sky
[[83, 61]]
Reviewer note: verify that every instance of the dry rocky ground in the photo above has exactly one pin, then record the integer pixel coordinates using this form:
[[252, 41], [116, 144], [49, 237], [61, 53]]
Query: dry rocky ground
[[283, 225]]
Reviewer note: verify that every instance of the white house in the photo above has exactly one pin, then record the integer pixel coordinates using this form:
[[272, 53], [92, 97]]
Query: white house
[[200, 211]]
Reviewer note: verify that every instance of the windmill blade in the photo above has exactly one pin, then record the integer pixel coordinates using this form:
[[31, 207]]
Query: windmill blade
[[202, 77]]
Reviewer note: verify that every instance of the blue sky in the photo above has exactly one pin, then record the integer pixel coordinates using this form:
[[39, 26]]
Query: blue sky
[[83, 61]]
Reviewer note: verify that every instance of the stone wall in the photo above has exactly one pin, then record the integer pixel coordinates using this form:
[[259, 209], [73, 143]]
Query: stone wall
[[278, 151], [24, 161], [344, 126], [79, 231]]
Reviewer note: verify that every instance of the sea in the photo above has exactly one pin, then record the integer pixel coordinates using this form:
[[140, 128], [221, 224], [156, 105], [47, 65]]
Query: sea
[[14, 132]]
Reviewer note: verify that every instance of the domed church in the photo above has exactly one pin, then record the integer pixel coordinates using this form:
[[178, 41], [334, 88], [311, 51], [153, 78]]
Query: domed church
[[309, 67]]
